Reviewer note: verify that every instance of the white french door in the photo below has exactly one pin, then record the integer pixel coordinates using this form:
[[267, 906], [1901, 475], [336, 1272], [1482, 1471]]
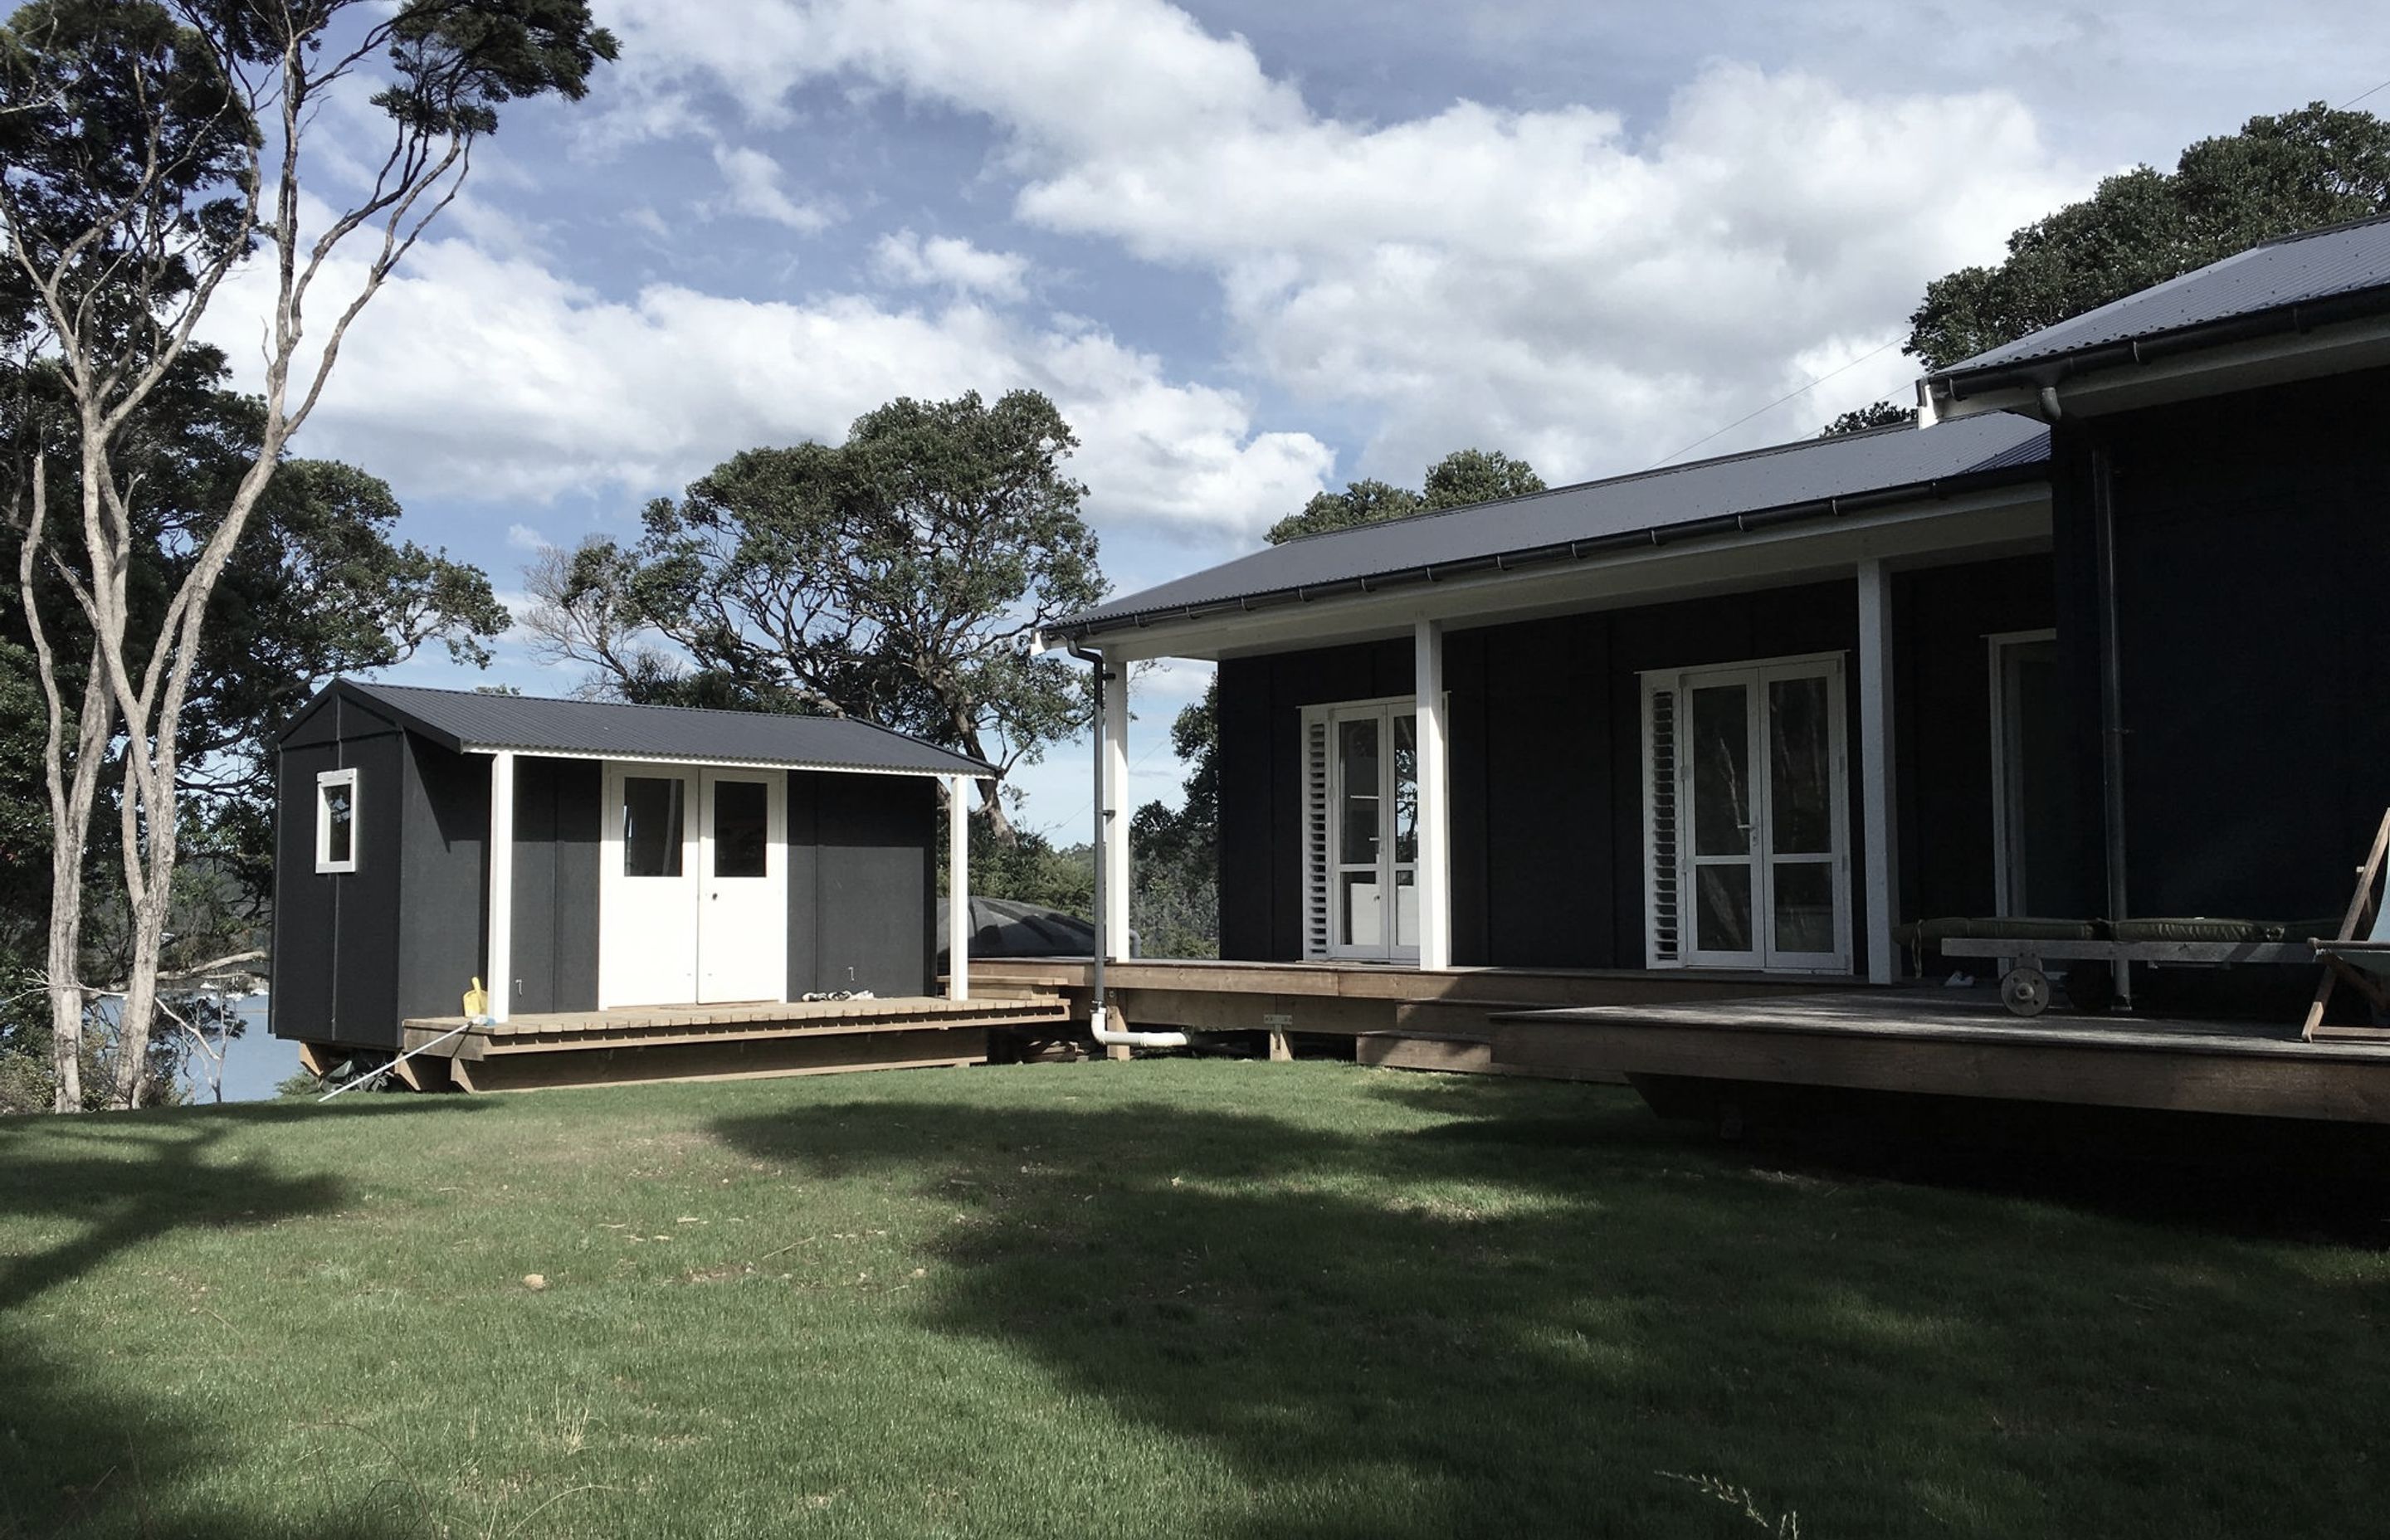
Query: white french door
[[1363, 785], [1749, 816], [692, 891]]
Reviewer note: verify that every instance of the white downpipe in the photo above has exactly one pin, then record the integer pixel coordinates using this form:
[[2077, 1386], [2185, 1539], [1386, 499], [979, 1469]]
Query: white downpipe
[[1432, 871], [1878, 765]]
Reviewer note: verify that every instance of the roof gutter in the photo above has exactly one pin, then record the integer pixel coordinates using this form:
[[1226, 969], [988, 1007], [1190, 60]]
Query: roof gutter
[[1650, 537], [2042, 375]]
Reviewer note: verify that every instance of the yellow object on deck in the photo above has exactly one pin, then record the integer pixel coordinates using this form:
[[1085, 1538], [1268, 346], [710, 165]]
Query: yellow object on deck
[[477, 1001]]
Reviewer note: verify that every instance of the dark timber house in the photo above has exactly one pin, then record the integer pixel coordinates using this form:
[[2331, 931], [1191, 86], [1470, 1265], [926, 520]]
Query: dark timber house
[[2099, 638], [588, 858]]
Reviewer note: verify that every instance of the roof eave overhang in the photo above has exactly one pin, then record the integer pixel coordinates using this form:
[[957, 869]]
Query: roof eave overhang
[[2278, 346], [972, 768], [1452, 588]]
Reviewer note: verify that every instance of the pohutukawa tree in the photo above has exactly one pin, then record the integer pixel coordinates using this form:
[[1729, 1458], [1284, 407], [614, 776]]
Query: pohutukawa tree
[[149, 149], [895, 577]]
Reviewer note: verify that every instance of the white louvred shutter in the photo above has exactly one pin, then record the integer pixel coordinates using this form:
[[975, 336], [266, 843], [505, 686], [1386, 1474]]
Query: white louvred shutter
[[1662, 870], [1317, 741]]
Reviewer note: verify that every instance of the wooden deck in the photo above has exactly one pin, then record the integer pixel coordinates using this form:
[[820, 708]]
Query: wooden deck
[[719, 1042], [1395, 1016], [1932, 1042]]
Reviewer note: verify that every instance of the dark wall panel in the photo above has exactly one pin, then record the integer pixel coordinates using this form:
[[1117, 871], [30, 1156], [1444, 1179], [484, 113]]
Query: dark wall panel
[[306, 908], [557, 833], [365, 981], [2252, 540], [443, 915], [1943, 618], [875, 888]]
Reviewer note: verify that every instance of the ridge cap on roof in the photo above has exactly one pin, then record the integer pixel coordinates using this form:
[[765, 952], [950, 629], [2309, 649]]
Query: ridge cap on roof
[[2291, 236], [1649, 473]]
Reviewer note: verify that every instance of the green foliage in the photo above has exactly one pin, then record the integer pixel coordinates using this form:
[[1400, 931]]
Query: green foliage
[[2301, 169], [1880, 413], [893, 578], [1468, 475], [1461, 478]]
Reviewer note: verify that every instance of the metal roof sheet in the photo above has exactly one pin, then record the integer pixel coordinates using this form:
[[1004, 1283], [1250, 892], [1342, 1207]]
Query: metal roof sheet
[[1814, 471], [611, 729], [2295, 270]]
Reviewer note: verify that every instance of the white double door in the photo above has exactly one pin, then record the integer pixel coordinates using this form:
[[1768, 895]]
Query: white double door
[[693, 890]]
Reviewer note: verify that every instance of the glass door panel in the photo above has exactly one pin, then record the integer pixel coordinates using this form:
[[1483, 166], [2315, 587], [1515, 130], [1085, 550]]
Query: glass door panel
[[1360, 806], [1762, 783], [1723, 814]]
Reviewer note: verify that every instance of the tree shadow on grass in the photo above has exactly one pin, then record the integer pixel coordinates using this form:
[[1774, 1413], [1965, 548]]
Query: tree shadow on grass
[[77, 1454], [1521, 1316]]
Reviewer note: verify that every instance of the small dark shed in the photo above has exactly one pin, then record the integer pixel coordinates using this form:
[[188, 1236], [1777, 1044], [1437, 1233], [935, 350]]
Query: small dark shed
[[581, 855]]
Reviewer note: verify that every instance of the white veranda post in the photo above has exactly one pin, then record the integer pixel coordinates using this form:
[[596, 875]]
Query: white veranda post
[[1877, 769], [501, 979], [1434, 856], [1114, 812], [958, 925]]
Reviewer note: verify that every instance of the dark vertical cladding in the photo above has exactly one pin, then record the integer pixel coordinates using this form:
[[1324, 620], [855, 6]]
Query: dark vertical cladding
[[874, 891], [1943, 618], [443, 900], [2251, 546], [336, 953], [557, 836], [306, 908]]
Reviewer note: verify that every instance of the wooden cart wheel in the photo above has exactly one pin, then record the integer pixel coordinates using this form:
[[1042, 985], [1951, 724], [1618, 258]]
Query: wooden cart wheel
[[2025, 991]]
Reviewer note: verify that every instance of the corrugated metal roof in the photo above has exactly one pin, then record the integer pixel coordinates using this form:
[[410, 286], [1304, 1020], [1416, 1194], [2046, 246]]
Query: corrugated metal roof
[[1810, 473], [603, 729], [2295, 270]]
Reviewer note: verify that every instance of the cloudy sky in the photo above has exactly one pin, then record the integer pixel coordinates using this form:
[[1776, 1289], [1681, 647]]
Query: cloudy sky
[[1253, 248]]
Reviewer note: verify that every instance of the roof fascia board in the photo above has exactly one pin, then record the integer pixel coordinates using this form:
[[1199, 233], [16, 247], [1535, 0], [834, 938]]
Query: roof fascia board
[[2114, 379], [974, 772], [1993, 522]]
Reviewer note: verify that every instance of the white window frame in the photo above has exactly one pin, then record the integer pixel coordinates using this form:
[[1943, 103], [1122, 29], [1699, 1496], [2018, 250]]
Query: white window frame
[[1322, 881], [324, 781], [1759, 674]]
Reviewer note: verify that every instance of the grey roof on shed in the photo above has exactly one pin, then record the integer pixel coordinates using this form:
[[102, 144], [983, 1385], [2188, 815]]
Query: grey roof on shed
[[1813, 478], [611, 729], [2338, 265]]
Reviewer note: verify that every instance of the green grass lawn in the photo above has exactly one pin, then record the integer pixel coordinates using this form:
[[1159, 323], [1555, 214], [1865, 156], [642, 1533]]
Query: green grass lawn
[[1165, 1298]]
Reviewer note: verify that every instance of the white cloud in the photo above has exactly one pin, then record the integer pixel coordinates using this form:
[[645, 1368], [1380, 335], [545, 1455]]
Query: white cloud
[[523, 537], [751, 183], [948, 262], [486, 376], [1551, 281]]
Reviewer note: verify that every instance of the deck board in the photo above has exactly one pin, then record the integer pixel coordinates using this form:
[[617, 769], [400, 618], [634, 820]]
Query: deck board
[[1950, 1043]]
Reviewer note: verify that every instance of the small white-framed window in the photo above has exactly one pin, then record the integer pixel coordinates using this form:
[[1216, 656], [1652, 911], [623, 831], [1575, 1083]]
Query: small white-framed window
[[1360, 789], [1746, 826], [336, 820]]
